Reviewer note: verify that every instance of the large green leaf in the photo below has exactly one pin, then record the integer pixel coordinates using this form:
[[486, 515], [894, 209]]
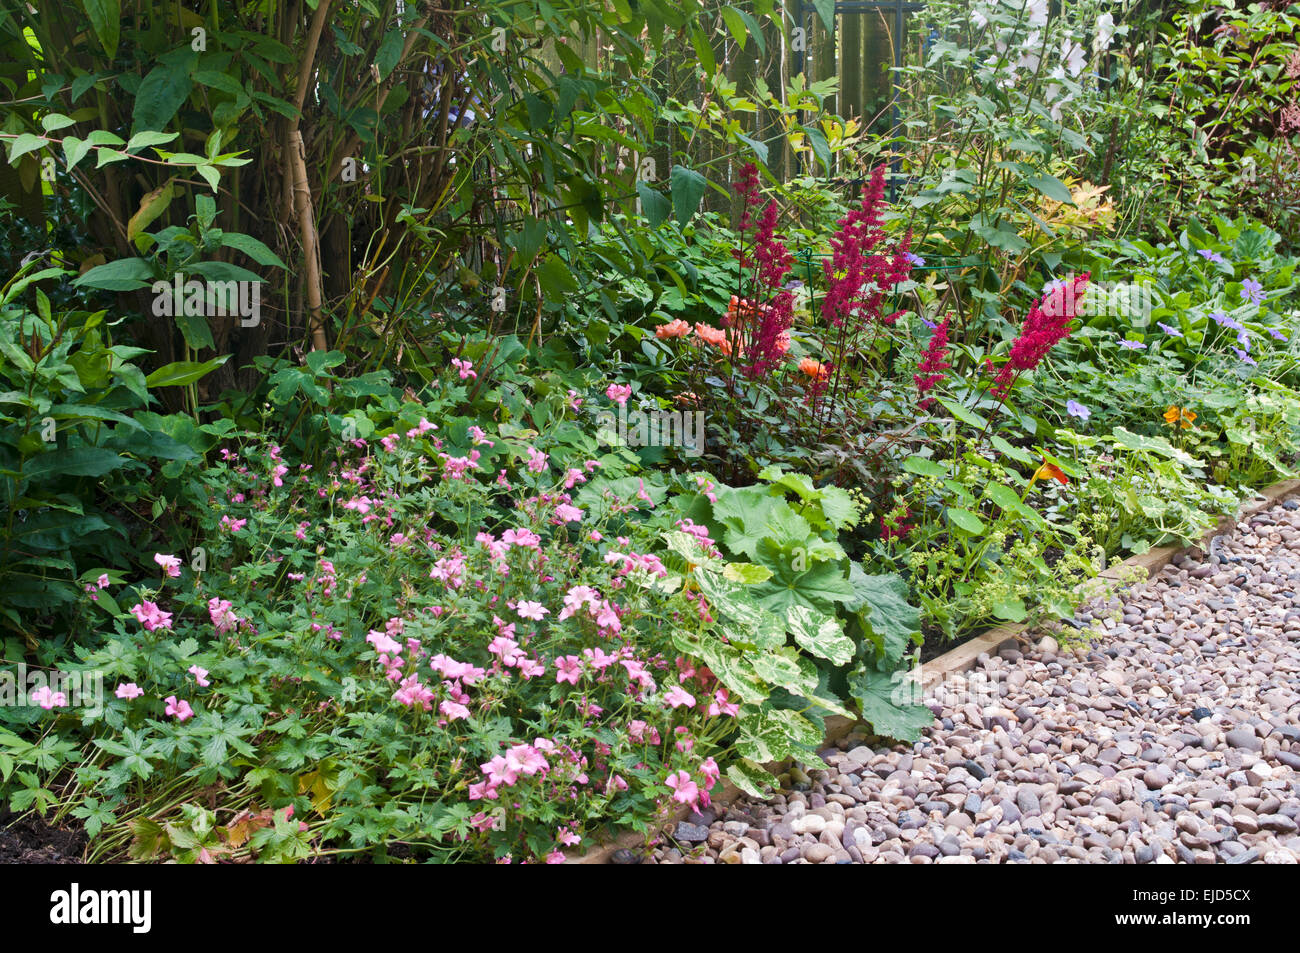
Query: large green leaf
[[72, 461], [124, 274], [751, 777], [819, 633], [821, 586], [889, 709], [688, 187], [164, 89], [106, 20], [654, 204], [881, 602], [180, 373]]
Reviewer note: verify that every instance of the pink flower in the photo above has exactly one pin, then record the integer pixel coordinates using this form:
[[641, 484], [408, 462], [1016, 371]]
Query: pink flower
[[537, 461], [180, 709], [567, 837], [530, 668], [525, 759], [128, 691], [568, 513], [102, 581], [640, 732], [619, 393], [413, 693], [685, 791], [721, 706], [607, 617], [170, 564], [555, 857], [150, 616], [453, 711], [506, 649], [383, 644], [598, 659], [637, 673], [568, 669], [677, 697], [499, 771], [233, 526], [48, 698], [464, 368], [222, 616], [200, 675], [710, 771], [576, 598], [523, 538], [531, 610]]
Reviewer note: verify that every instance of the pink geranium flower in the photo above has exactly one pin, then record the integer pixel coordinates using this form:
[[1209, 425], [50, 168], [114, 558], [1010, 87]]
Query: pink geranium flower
[[170, 564], [568, 669], [676, 697], [685, 791], [619, 393], [531, 610], [181, 710], [128, 691], [200, 675], [47, 698], [150, 616]]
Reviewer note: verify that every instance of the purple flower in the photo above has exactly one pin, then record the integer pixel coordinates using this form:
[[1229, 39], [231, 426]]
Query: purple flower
[[1132, 345], [1076, 409], [916, 260], [1168, 330], [929, 324], [1223, 321], [1245, 357], [1243, 338], [1252, 291], [1208, 255], [1277, 335]]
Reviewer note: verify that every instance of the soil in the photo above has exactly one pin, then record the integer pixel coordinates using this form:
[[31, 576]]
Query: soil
[[31, 841]]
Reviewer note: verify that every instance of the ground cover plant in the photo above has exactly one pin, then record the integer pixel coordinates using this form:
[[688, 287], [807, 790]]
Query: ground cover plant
[[459, 433]]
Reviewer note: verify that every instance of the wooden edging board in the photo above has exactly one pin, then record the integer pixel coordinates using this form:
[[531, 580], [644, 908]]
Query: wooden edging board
[[965, 656]]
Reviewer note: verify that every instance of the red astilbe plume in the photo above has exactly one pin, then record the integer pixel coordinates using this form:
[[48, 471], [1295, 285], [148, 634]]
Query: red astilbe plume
[[762, 327], [1046, 325], [861, 268], [932, 365]]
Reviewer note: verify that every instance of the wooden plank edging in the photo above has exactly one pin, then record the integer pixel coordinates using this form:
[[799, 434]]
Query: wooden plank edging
[[964, 657]]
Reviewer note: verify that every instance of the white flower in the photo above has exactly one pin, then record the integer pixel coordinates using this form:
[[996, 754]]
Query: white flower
[[978, 18], [1105, 30], [1038, 13], [1029, 55], [1072, 54]]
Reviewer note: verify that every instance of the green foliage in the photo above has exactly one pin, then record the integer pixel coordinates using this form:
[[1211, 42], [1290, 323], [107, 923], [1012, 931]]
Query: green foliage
[[77, 448]]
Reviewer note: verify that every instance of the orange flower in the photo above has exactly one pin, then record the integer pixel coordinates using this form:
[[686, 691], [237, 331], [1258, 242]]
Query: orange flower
[[814, 369], [673, 329], [1180, 416], [688, 397], [711, 335], [1050, 471], [782, 342]]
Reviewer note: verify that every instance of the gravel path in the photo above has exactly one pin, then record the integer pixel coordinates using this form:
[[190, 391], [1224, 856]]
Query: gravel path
[[1174, 738]]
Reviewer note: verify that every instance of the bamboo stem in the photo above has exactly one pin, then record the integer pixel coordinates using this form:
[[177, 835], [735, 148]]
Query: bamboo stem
[[310, 240]]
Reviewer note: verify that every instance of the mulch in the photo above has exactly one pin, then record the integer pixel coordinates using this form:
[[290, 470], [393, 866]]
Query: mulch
[[30, 840]]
